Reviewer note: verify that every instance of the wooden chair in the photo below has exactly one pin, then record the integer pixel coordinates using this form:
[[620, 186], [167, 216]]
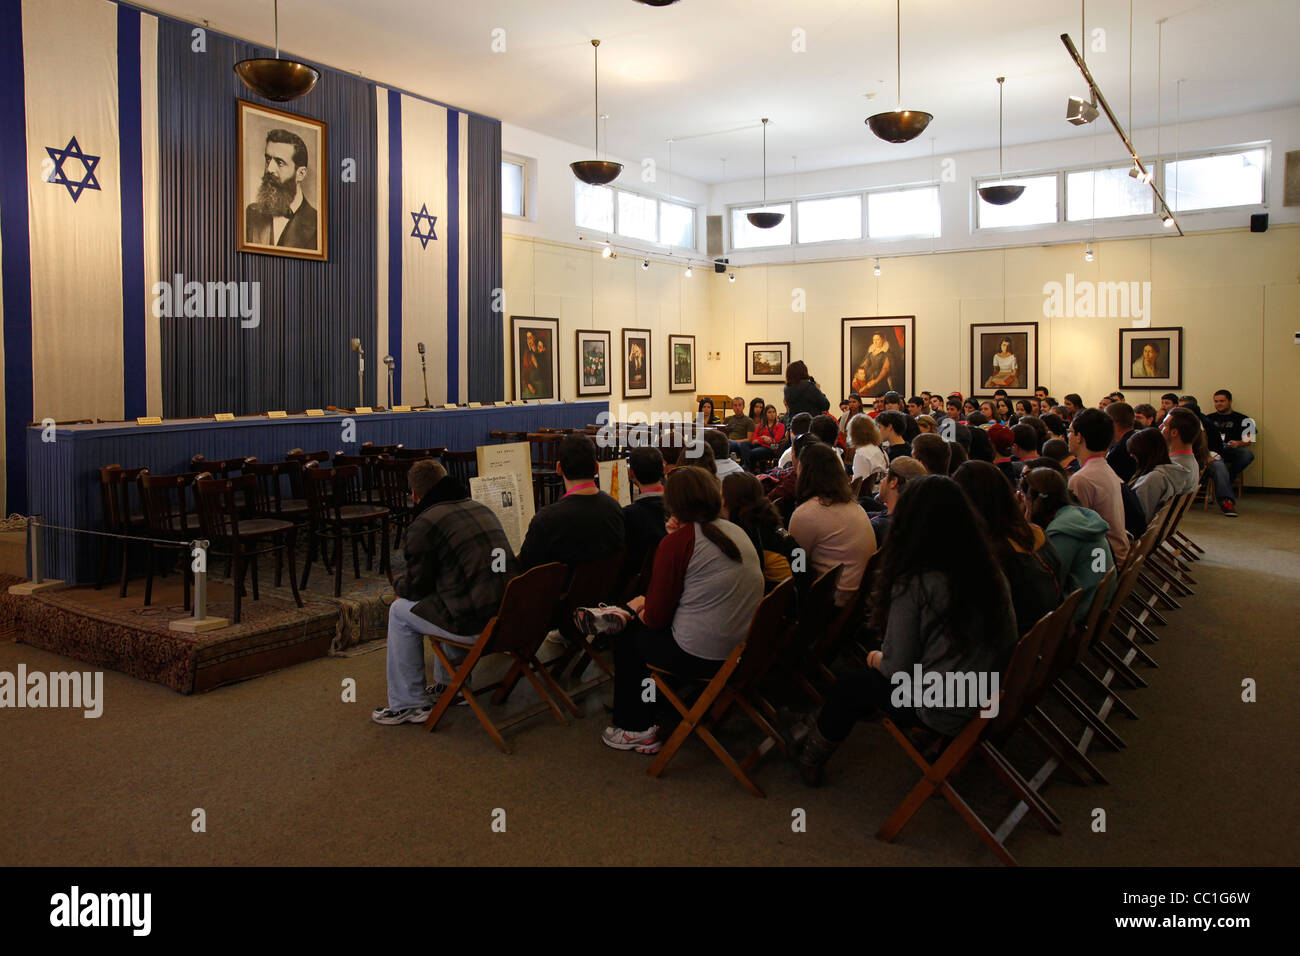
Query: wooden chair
[[816, 612], [365, 465], [734, 685], [368, 449], [547, 484], [218, 468], [269, 497], [501, 436], [461, 465], [592, 583], [337, 511], [393, 476], [415, 454], [119, 517], [228, 525], [168, 517], [520, 626]]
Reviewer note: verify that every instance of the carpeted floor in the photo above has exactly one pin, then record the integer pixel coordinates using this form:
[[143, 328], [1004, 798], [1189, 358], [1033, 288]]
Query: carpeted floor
[[287, 773]]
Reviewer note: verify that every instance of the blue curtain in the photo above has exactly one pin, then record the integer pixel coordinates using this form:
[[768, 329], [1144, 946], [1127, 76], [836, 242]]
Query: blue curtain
[[486, 340]]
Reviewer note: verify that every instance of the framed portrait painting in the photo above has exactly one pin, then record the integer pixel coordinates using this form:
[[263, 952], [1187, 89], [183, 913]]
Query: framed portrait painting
[[1151, 358], [766, 362], [536, 362], [282, 204], [681, 350], [636, 363], [592, 362], [876, 356], [1004, 355]]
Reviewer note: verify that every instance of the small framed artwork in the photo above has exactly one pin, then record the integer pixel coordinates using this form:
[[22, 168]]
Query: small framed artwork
[[536, 363], [681, 350], [592, 361], [636, 363], [281, 200], [876, 355], [766, 361], [1004, 356], [1151, 358]]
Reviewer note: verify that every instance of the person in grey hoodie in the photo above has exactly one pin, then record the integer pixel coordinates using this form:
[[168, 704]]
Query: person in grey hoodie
[[1077, 534], [1157, 479]]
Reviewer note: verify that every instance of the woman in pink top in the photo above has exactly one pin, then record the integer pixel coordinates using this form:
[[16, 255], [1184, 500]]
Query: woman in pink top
[[829, 525]]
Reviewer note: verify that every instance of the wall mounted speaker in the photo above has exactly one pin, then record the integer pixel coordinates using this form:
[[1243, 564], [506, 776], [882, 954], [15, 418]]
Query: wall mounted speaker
[[713, 235], [1259, 222]]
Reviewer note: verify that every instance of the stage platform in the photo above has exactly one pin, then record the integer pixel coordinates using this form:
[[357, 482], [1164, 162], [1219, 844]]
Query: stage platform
[[63, 474], [106, 631]]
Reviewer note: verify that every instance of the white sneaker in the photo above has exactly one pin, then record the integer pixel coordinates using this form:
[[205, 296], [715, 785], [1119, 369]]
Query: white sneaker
[[642, 741], [606, 619], [407, 715]]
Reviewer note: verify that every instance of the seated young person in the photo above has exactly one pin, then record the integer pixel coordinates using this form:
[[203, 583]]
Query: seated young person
[[739, 426], [726, 465], [1095, 485], [1027, 558], [1235, 438], [869, 461], [942, 604], [585, 524], [1003, 441], [452, 587], [745, 506], [799, 425], [1119, 459], [1058, 451], [828, 523], [644, 518], [1182, 430], [1024, 442], [768, 435], [932, 452], [706, 415], [1156, 476], [901, 470], [1079, 535], [893, 427], [1144, 415], [852, 406], [704, 589]]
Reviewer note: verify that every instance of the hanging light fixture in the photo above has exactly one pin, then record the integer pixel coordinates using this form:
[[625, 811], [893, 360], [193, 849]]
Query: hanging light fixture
[[731, 277], [596, 172], [277, 79], [688, 270], [900, 125], [1088, 254], [764, 218], [1002, 193], [876, 268]]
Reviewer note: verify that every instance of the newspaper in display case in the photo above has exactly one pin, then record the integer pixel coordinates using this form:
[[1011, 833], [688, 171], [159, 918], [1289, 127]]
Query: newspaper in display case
[[500, 493]]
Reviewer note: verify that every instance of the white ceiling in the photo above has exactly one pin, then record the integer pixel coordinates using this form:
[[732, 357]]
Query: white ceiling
[[703, 66]]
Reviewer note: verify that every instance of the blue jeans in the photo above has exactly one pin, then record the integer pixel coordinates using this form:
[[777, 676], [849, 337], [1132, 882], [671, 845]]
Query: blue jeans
[[1225, 472], [406, 632]]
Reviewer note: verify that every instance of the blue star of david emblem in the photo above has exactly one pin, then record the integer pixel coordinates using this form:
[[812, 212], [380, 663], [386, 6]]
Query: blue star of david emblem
[[421, 217], [60, 178]]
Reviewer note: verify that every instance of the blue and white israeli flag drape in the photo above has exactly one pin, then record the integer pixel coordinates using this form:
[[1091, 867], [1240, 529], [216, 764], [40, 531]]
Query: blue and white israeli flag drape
[[78, 216], [423, 261]]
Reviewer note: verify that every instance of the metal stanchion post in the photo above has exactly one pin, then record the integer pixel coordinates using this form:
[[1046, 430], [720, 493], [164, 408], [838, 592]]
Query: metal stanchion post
[[199, 622], [36, 545]]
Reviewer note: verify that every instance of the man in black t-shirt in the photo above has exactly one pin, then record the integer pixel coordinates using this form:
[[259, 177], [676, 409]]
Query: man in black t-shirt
[[645, 516], [1235, 433], [585, 524]]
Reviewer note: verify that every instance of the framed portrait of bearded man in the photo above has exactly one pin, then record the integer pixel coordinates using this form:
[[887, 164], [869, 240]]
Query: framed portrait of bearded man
[[876, 356], [282, 204]]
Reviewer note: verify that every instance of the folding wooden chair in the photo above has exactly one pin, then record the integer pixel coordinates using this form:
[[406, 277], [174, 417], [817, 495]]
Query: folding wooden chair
[[817, 611], [520, 626], [975, 737], [734, 685]]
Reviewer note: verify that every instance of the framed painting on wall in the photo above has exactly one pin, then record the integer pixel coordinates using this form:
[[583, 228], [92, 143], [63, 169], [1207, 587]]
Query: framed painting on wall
[[282, 206], [536, 363], [681, 351], [1004, 355], [876, 356], [1151, 358], [593, 362], [766, 362], [636, 363]]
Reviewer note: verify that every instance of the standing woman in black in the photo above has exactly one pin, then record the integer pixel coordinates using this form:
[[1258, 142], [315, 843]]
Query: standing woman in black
[[802, 393]]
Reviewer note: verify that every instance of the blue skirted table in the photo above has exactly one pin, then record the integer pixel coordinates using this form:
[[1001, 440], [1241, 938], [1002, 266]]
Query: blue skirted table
[[63, 475]]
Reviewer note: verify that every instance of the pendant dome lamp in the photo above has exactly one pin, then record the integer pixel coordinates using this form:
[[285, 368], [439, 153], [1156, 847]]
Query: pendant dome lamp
[[765, 218], [596, 172], [274, 78], [1001, 193], [899, 125]]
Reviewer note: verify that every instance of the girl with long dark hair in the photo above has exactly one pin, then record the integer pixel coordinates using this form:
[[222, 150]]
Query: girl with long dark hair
[[1157, 477], [1078, 534], [828, 523], [746, 505]]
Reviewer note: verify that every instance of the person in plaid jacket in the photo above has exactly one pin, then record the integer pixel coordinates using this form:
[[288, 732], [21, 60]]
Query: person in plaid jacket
[[457, 564]]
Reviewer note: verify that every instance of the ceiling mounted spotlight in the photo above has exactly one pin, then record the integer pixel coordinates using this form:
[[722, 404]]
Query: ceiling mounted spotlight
[[1166, 219], [731, 277], [1002, 193], [900, 125], [607, 251], [688, 270], [277, 79], [1081, 112], [763, 218], [1088, 254], [876, 268], [1140, 174], [596, 172], [645, 263]]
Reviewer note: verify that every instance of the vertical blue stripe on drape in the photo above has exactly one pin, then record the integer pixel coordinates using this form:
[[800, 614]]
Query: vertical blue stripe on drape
[[16, 264], [453, 256], [395, 234], [131, 165]]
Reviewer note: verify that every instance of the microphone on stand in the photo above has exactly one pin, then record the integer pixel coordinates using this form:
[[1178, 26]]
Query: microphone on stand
[[390, 362], [424, 373], [361, 371]]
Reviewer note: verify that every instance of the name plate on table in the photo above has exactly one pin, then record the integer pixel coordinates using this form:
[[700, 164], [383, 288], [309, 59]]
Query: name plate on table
[[225, 416], [475, 405], [500, 403], [315, 413], [363, 410], [450, 405], [149, 420], [277, 414], [400, 408]]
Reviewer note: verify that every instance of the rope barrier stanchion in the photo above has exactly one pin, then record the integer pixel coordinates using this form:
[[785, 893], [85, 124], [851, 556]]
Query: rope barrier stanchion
[[36, 546], [199, 621]]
